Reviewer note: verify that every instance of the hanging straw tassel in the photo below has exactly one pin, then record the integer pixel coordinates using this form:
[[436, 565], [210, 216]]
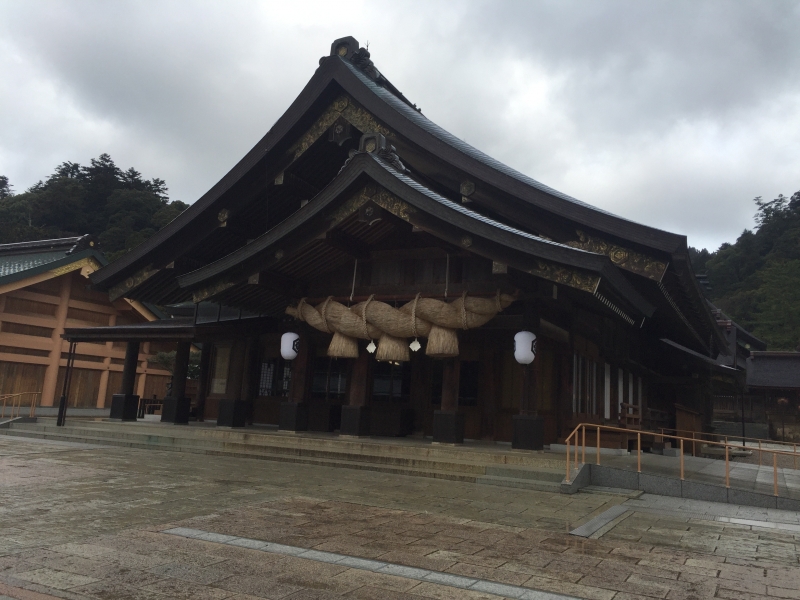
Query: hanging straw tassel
[[391, 348], [342, 346], [442, 343]]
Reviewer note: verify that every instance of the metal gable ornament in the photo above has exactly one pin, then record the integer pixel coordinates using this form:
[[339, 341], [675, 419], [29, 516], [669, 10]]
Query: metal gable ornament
[[524, 347]]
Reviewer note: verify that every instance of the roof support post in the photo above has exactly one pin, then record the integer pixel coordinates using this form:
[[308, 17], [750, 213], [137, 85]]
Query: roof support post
[[181, 369], [202, 384], [62, 404], [129, 368]]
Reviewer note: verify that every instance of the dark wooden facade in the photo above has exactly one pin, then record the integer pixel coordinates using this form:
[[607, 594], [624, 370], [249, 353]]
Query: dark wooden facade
[[355, 195]]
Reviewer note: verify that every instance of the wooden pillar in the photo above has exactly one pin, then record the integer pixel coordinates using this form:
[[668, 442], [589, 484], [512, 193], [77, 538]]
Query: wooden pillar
[[102, 388], [303, 370], [129, 367], [359, 381], [451, 375], [51, 373], [448, 423], [528, 405], [181, 369], [252, 364], [356, 414], [205, 377], [489, 389], [294, 413]]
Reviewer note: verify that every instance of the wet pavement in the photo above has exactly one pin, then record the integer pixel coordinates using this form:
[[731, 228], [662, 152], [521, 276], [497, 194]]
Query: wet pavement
[[80, 521]]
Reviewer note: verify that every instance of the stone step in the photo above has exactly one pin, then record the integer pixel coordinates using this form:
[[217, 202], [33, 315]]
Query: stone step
[[187, 444], [539, 474], [528, 484], [539, 479], [352, 464], [381, 450]]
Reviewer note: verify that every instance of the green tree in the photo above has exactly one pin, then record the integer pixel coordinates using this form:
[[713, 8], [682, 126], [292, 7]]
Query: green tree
[[120, 207], [756, 280]]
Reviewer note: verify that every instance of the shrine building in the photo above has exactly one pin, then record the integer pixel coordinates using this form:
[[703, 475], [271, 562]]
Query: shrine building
[[403, 263]]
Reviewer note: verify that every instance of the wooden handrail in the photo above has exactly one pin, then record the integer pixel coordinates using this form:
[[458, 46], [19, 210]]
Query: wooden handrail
[[580, 429]]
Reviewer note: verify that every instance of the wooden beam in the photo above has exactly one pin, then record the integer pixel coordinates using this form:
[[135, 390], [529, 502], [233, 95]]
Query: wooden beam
[[348, 244], [278, 282]]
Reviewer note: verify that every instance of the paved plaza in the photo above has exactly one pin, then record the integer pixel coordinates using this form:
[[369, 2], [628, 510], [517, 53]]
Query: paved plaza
[[88, 521]]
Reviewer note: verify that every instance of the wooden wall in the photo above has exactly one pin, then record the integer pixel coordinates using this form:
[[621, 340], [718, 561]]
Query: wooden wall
[[33, 355]]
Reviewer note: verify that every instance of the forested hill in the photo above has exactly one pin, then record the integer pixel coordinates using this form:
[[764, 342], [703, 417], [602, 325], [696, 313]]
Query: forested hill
[[756, 281], [119, 207]]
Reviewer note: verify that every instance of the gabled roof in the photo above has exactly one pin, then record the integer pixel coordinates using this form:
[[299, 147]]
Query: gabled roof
[[338, 73], [428, 209], [502, 191], [24, 259]]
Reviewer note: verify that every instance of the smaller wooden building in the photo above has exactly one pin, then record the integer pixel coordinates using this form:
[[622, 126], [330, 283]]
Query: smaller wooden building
[[44, 288]]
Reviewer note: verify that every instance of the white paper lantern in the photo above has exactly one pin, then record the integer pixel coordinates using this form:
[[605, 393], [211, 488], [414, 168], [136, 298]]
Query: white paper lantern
[[290, 345], [524, 347]]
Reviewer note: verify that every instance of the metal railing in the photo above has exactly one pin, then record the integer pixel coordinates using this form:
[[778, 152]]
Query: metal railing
[[580, 432], [14, 401], [745, 439]]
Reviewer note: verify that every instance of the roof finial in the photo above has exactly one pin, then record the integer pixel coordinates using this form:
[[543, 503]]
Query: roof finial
[[367, 45]]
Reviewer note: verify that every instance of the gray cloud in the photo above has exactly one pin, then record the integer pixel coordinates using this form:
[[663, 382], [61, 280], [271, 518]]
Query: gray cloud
[[675, 113]]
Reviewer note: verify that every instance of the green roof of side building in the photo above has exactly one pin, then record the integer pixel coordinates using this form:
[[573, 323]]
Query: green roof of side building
[[25, 259]]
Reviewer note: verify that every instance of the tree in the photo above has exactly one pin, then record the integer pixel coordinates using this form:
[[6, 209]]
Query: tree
[[756, 280], [5, 188], [120, 207]]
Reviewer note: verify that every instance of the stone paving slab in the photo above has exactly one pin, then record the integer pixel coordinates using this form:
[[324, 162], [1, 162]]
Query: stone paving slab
[[103, 523]]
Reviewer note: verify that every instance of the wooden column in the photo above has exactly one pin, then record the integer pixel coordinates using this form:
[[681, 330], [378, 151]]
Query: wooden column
[[51, 374], [251, 370], [451, 375], [359, 381], [489, 389], [205, 377], [181, 369], [129, 368], [528, 400], [356, 414], [302, 370], [294, 413], [448, 423]]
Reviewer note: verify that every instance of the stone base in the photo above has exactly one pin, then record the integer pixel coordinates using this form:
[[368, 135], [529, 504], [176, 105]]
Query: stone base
[[528, 432], [294, 416], [355, 421], [233, 413], [390, 420], [323, 416], [175, 410], [124, 407], [448, 427]]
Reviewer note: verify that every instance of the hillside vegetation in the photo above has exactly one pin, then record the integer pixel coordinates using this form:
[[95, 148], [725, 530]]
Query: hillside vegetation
[[756, 280], [119, 207]]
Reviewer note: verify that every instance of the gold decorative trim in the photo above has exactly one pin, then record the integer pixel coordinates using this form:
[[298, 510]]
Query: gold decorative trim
[[135, 280], [341, 107], [393, 204], [211, 290], [574, 278], [351, 206], [78, 264], [624, 258]]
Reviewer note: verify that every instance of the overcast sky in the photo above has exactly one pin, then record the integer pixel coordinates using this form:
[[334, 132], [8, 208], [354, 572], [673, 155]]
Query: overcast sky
[[674, 114]]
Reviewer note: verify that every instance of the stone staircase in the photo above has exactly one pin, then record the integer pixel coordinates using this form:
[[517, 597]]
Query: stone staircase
[[474, 462]]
